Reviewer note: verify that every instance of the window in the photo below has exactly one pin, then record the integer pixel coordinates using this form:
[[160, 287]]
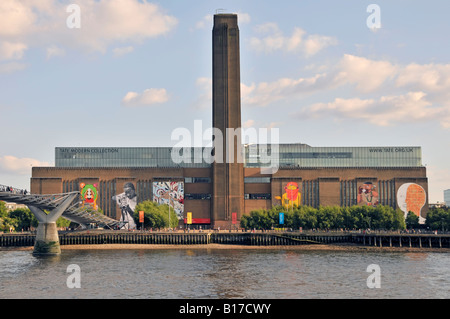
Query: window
[[197, 180], [258, 196], [197, 196], [257, 180]]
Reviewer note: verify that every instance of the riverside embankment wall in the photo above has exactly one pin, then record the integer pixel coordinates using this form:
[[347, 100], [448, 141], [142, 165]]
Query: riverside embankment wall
[[235, 238]]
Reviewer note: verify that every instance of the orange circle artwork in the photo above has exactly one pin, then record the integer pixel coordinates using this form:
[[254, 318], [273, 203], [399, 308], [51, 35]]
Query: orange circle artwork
[[415, 198]]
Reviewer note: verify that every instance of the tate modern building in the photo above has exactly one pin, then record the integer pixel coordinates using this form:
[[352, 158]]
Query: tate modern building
[[217, 190]]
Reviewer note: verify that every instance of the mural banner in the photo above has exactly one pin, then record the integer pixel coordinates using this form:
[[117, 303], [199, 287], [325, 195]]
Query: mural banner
[[368, 194], [89, 195], [170, 193], [291, 196], [127, 202], [412, 197]]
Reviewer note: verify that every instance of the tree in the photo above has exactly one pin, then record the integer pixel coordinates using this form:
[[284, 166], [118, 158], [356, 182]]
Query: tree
[[25, 218], [257, 219], [327, 217], [412, 220], [3, 210], [438, 218], [399, 219], [348, 219], [156, 216], [6, 222], [61, 222]]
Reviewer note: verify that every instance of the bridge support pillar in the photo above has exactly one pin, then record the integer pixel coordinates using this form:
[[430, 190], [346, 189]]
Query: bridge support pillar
[[47, 240]]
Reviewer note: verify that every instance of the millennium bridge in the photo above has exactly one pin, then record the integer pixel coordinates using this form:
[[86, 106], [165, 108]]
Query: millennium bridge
[[48, 208]]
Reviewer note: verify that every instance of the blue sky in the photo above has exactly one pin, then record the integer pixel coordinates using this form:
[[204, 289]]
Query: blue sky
[[136, 70]]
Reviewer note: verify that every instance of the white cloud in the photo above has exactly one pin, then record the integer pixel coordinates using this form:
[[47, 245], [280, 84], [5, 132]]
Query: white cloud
[[42, 24], [387, 110], [273, 39], [265, 93], [16, 18], [367, 74], [315, 43], [22, 166], [398, 93], [148, 97], [359, 73], [431, 77], [12, 50], [123, 20]]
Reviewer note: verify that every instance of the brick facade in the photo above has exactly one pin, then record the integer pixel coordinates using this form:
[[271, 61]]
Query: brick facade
[[321, 186]]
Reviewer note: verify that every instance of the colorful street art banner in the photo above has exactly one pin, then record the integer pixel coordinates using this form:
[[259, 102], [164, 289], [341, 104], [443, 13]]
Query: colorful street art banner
[[291, 196], [368, 194], [411, 197], [89, 195], [170, 193]]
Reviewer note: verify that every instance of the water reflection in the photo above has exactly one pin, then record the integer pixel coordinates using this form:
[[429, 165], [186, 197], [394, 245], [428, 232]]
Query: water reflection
[[232, 273]]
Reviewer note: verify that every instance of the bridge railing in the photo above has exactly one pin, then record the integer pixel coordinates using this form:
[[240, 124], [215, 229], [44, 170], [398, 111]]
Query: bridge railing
[[13, 190]]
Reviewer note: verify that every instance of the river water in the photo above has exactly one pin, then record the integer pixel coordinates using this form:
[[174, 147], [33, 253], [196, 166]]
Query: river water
[[223, 274]]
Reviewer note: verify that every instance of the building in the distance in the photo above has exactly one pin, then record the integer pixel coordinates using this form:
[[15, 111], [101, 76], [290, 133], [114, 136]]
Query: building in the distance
[[447, 197], [217, 188], [14, 206]]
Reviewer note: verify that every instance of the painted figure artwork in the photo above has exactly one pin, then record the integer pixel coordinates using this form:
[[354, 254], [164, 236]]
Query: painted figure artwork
[[412, 197], [170, 193], [368, 195], [89, 195], [127, 202], [291, 196]]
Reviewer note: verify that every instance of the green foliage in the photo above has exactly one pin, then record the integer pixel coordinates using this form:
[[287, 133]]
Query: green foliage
[[327, 217], [25, 218], [412, 220], [3, 210], [155, 216], [438, 218], [6, 222], [22, 219], [62, 222]]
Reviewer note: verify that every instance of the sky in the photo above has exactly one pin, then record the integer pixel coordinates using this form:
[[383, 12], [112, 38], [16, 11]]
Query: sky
[[127, 73]]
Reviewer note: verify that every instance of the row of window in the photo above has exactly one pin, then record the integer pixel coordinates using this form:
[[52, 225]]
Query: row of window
[[316, 155], [258, 180], [189, 180], [258, 196], [255, 155], [197, 196]]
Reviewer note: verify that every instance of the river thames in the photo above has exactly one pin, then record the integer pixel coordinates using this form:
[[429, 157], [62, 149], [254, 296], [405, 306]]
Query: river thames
[[224, 274]]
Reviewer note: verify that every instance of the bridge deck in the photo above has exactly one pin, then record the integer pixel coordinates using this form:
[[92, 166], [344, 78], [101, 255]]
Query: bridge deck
[[75, 213]]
